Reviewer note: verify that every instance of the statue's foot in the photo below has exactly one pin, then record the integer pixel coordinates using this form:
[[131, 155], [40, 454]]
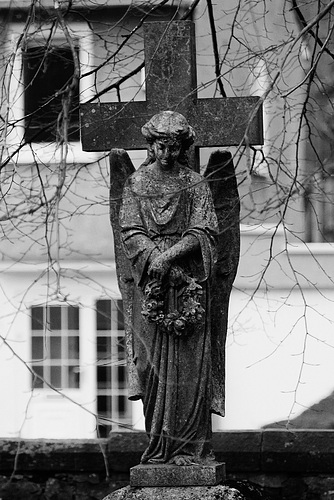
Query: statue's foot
[[182, 460], [154, 461]]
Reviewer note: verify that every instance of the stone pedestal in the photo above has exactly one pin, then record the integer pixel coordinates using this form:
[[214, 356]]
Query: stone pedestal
[[176, 475], [173, 482], [218, 492]]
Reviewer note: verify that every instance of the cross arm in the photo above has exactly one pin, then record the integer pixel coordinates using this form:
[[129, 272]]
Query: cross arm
[[227, 121], [217, 122], [108, 125]]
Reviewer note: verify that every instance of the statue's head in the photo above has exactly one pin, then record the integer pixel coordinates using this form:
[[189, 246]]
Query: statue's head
[[170, 127]]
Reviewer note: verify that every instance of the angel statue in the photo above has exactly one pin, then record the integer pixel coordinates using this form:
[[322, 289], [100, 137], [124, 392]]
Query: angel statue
[[176, 258]]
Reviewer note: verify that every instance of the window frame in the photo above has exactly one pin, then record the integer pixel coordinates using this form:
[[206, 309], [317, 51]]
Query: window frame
[[318, 206], [113, 391], [41, 94], [47, 152], [46, 362]]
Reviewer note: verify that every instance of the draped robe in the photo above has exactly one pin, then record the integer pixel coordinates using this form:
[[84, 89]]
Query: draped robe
[[174, 372]]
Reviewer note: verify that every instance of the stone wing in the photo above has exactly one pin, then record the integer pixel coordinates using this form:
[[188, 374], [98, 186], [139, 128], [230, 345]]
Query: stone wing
[[121, 168], [222, 181]]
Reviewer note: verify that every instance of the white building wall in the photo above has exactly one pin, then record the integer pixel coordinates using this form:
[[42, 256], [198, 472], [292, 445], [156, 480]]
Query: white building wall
[[280, 348], [46, 412]]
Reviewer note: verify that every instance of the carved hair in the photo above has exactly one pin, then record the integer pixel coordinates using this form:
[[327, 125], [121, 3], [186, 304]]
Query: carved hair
[[168, 125]]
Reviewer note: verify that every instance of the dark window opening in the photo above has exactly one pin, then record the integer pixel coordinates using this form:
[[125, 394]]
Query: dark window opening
[[46, 72]]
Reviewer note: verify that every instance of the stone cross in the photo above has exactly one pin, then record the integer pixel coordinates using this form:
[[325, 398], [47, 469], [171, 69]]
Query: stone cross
[[170, 66]]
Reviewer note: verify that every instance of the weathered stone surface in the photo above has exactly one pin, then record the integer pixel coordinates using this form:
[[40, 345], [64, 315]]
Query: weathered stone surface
[[56, 488], [120, 123], [298, 451], [171, 84], [187, 493], [223, 184], [17, 488], [173, 475], [169, 241], [59, 487], [125, 449], [306, 475], [55, 455], [241, 450]]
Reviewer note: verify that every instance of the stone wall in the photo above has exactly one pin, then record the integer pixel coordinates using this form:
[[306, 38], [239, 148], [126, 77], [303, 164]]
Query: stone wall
[[289, 465]]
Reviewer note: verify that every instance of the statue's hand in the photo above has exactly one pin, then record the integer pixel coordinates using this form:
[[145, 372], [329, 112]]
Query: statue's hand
[[159, 267], [177, 276]]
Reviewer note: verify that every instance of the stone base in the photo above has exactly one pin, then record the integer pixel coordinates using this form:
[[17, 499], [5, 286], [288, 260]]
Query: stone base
[[153, 475], [218, 492]]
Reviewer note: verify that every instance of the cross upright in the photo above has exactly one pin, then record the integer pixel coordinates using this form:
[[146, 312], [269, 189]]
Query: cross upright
[[170, 66]]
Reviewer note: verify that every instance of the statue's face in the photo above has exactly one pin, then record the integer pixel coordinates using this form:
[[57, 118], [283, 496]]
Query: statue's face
[[166, 153]]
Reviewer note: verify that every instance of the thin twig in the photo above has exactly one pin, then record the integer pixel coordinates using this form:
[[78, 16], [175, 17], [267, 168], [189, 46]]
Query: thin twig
[[215, 48]]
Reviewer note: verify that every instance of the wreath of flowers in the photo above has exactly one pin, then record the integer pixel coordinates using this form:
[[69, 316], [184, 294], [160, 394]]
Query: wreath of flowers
[[178, 322]]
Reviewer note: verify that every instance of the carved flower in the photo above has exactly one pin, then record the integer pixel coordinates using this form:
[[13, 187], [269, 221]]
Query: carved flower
[[180, 325], [193, 286], [152, 305], [190, 305], [160, 318]]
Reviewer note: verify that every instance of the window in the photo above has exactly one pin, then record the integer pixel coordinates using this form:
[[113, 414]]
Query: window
[[319, 208], [55, 346], [113, 406], [47, 70], [38, 71]]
